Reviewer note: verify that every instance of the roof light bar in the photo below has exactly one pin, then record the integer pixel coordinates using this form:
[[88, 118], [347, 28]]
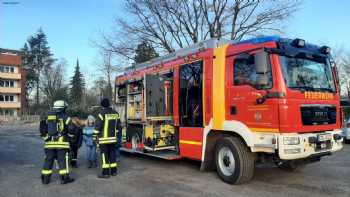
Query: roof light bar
[[325, 50], [298, 42]]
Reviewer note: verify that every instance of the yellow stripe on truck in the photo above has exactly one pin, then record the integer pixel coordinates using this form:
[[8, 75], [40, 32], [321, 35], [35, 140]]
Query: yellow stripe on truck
[[190, 142], [272, 130], [219, 86]]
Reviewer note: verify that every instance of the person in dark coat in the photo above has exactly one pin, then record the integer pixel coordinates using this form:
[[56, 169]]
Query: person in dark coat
[[75, 135]]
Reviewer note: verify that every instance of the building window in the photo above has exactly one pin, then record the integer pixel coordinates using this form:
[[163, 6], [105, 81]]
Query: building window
[[7, 83], [7, 98], [7, 69], [7, 112]]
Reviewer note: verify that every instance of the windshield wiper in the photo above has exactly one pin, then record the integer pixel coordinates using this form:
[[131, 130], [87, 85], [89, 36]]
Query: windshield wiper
[[325, 89], [308, 88], [303, 88]]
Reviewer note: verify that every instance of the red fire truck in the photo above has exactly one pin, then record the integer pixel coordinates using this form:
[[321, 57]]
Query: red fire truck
[[232, 104]]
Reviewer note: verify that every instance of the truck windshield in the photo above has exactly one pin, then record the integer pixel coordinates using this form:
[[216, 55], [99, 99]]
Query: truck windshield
[[307, 74]]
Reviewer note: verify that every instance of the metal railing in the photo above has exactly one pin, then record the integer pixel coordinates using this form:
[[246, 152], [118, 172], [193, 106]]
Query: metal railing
[[13, 119]]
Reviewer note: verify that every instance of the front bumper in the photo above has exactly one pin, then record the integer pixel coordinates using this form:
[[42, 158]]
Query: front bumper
[[307, 148]]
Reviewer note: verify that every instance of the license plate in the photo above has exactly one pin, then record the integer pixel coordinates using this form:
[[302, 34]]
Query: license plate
[[324, 137], [323, 145]]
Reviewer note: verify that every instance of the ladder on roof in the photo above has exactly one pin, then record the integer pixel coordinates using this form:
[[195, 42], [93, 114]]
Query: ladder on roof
[[207, 44]]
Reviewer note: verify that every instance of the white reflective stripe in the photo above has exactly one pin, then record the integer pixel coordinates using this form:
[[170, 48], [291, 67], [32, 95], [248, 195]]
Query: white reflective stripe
[[56, 146], [96, 131], [114, 165], [62, 172], [67, 165], [45, 137], [100, 116], [56, 143], [107, 138], [108, 142], [105, 128], [104, 164], [46, 172], [67, 121]]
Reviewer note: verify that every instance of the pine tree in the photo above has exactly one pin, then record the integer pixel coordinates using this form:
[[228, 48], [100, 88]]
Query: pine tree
[[77, 89], [36, 57], [144, 52]]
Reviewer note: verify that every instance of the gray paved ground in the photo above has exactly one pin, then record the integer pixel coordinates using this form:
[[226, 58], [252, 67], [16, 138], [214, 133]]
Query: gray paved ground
[[21, 157]]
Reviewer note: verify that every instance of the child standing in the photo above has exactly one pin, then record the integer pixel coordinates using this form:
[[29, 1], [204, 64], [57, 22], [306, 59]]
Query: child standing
[[89, 142]]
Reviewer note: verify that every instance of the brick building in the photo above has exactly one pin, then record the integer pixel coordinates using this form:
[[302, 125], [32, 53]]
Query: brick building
[[12, 83]]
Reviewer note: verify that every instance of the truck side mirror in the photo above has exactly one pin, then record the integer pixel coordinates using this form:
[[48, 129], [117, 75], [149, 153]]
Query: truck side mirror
[[261, 62], [262, 80], [261, 68]]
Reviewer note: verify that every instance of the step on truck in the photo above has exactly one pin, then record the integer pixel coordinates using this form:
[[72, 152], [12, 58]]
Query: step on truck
[[231, 105]]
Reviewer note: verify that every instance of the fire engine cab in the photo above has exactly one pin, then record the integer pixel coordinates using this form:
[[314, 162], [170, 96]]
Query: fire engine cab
[[232, 104]]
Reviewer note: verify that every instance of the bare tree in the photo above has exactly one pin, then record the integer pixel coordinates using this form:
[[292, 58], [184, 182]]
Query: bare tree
[[107, 70], [173, 24], [52, 82], [341, 58]]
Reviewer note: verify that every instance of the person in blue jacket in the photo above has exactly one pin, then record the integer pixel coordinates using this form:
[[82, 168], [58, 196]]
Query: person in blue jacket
[[88, 130]]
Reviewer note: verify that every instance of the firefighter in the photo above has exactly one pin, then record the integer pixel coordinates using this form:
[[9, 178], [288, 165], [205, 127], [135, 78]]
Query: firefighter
[[105, 133], [54, 132]]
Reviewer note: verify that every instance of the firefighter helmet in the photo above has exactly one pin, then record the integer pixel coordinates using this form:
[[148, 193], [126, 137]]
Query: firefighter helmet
[[60, 104]]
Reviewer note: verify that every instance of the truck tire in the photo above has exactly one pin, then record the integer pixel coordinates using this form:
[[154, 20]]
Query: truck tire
[[346, 141], [291, 166], [235, 163]]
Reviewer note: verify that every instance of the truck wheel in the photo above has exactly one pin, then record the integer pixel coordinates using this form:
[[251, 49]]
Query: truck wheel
[[346, 141], [234, 162], [291, 166]]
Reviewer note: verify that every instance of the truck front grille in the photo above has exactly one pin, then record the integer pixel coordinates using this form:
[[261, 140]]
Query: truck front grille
[[318, 114]]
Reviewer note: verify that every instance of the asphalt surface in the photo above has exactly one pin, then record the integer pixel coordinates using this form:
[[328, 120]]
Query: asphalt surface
[[21, 157]]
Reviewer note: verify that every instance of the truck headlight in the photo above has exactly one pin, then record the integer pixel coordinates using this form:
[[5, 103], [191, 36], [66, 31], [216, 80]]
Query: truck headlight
[[291, 140]]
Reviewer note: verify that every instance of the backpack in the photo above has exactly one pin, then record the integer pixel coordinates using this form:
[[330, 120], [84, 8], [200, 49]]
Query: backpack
[[55, 124]]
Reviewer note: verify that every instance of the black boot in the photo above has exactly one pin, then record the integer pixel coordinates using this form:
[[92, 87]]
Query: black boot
[[66, 179], [74, 164], [114, 171], [103, 176], [45, 179], [105, 173]]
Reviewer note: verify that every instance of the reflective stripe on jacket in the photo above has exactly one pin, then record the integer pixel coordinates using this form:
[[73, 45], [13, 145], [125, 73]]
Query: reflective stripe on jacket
[[57, 144], [60, 141], [107, 126]]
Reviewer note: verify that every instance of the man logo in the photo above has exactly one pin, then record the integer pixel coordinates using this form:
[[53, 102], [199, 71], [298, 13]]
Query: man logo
[[321, 114], [258, 116]]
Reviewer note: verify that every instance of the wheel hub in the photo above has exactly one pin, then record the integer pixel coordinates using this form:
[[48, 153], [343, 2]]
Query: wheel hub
[[226, 161]]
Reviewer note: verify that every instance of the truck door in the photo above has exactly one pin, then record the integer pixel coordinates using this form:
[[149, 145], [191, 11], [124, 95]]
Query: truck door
[[242, 93], [191, 109]]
